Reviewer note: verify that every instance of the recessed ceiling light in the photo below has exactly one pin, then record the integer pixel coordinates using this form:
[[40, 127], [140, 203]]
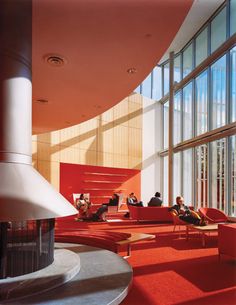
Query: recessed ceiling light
[[42, 101], [132, 70], [55, 60]]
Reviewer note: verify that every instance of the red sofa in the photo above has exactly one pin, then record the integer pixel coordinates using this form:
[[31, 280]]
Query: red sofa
[[160, 214], [226, 239]]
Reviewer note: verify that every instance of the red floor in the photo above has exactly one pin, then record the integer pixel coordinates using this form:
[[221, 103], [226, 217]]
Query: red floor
[[171, 270]]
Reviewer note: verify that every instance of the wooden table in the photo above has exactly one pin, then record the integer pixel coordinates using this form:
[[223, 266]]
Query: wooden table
[[134, 238], [203, 230]]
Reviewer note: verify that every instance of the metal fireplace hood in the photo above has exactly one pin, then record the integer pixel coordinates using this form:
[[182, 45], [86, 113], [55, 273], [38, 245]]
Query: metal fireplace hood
[[24, 194]]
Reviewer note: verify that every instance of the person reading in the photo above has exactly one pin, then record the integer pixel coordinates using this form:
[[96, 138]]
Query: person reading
[[185, 214]]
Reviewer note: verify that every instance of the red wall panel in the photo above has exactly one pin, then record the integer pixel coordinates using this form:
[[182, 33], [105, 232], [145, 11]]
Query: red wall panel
[[101, 182]]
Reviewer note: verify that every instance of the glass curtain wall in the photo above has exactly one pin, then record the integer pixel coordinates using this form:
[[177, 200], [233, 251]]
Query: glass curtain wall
[[201, 176], [177, 118], [232, 175], [204, 174], [187, 112], [188, 60], [187, 176], [201, 100], [218, 80], [177, 69], [233, 84], [165, 180], [232, 17], [177, 175], [201, 46], [218, 30], [218, 174], [166, 124]]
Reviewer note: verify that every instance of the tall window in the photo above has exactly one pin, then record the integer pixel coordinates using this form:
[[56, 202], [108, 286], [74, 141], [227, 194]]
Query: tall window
[[218, 76], [165, 180], [218, 30], [201, 46], [188, 60], [187, 112], [177, 118], [177, 175], [218, 174], [201, 176], [156, 83], [232, 17], [232, 205], [201, 102], [166, 78], [166, 124], [146, 86], [233, 84], [187, 176], [177, 69]]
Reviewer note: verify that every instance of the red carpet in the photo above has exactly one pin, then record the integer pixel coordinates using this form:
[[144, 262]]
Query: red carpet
[[171, 270]]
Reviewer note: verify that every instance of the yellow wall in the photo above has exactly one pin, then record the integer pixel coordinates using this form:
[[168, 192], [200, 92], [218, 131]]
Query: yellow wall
[[112, 139]]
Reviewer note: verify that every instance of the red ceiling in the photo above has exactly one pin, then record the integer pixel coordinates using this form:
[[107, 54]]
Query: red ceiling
[[100, 40]]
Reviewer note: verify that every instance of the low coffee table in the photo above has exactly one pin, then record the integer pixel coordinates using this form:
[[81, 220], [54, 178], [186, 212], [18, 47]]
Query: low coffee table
[[203, 230]]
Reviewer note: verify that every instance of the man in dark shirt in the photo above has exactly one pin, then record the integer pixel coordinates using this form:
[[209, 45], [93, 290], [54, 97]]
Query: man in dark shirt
[[155, 201]]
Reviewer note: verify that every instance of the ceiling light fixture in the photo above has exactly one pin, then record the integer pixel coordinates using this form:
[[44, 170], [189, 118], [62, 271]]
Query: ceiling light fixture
[[42, 101], [55, 60], [132, 70]]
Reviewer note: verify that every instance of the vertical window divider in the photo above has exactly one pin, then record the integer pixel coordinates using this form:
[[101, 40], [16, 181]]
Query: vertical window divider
[[171, 113]]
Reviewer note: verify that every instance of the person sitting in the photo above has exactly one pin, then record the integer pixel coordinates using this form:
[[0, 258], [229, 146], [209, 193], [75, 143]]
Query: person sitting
[[186, 214], [83, 206], [132, 200], [99, 215], [155, 201], [114, 200]]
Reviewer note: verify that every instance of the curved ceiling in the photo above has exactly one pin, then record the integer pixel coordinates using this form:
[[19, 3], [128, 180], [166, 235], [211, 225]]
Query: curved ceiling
[[100, 41]]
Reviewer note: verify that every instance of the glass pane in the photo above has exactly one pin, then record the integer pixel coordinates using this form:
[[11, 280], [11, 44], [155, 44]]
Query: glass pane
[[232, 175], [218, 174], [218, 30], [233, 85], [177, 119], [177, 175], [201, 102], [201, 174], [166, 124], [187, 112], [166, 78], [138, 89], [232, 17], [201, 47], [187, 176], [165, 182], [156, 83], [188, 60], [147, 86], [177, 69], [218, 75]]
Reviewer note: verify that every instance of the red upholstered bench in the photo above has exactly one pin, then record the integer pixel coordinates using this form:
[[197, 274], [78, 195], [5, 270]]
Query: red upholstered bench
[[159, 214]]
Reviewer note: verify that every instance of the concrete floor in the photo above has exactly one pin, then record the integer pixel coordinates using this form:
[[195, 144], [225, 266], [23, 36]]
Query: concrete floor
[[104, 278]]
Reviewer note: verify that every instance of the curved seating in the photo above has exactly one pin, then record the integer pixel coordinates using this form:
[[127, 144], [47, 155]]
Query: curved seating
[[213, 215], [101, 239]]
